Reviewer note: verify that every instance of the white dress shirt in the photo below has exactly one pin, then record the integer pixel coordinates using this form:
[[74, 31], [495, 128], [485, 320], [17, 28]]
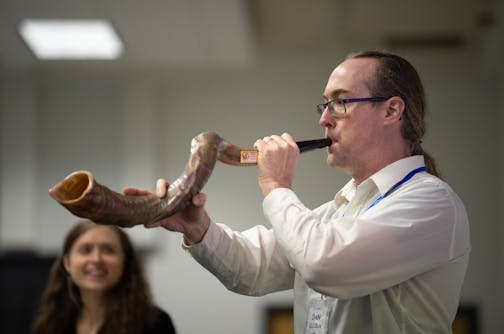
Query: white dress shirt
[[394, 267]]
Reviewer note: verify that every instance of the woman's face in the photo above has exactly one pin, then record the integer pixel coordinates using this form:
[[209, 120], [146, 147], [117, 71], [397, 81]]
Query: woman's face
[[96, 260]]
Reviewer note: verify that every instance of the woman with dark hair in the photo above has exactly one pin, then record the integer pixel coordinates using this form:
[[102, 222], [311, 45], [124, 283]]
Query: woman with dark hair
[[97, 286]]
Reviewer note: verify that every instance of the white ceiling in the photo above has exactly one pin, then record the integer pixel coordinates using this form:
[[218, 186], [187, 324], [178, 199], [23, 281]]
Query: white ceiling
[[188, 33]]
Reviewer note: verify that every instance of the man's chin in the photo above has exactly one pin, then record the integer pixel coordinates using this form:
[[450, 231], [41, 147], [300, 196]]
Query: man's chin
[[332, 161]]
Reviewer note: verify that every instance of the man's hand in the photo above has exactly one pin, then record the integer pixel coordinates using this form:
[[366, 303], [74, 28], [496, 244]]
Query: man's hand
[[192, 221], [277, 161]]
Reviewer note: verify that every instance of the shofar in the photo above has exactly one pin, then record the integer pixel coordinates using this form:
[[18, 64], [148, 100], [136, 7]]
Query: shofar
[[84, 197]]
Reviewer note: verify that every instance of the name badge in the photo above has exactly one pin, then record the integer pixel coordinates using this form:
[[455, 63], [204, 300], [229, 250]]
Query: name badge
[[317, 319]]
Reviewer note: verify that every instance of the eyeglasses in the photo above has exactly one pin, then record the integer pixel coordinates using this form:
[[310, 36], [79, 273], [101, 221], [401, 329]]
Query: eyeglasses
[[337, 106]]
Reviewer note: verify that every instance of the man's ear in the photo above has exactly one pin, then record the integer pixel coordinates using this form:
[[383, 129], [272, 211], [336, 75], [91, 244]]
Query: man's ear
[[394, 108]]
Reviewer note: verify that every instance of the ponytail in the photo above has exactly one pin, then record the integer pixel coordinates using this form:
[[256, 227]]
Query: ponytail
[[430, 163]]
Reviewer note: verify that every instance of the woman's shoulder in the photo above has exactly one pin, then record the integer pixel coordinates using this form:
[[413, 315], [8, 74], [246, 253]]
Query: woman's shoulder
[[163, 323]]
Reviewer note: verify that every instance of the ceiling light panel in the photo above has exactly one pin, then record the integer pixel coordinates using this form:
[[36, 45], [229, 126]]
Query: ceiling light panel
[[71, 39]]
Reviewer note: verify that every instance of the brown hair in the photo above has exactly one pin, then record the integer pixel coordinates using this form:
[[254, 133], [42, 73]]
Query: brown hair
[[129, 308], [395, 76]]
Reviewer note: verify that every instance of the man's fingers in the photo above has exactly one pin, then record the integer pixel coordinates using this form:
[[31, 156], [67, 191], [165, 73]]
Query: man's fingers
[[162, 187], [199, 199], [131, 191]]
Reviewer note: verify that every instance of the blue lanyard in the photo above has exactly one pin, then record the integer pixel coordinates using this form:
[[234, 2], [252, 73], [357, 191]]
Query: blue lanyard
[[404, 179]]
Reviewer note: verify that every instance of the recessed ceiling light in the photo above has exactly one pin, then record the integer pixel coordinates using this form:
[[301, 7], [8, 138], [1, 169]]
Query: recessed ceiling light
[[71, 39]]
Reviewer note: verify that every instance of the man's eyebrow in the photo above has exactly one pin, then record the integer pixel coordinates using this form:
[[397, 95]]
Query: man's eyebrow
[[334, 94]]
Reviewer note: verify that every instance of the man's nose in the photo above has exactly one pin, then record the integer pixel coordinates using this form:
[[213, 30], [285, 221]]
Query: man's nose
[[326, 120]]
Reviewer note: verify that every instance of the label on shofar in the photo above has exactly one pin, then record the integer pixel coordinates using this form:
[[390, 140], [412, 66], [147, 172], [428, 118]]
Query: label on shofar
[[248, 156]]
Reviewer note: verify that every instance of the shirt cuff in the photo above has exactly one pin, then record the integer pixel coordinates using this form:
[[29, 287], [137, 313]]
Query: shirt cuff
[[209, 236]]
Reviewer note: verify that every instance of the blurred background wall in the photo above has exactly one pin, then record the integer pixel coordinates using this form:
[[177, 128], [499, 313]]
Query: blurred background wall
[[245, 69]]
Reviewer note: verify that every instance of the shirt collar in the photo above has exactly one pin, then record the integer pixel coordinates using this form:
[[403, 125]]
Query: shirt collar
[[384, 179], [388, 176]]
